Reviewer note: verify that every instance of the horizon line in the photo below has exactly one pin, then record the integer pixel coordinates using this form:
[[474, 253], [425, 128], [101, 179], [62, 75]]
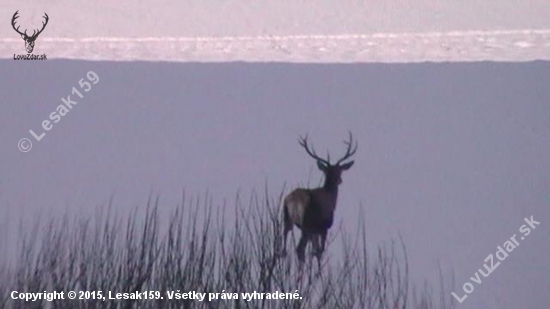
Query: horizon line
[[375, 35]]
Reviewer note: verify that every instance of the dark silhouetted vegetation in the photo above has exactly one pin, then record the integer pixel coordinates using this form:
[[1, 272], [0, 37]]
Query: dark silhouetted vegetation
[[200, 247]]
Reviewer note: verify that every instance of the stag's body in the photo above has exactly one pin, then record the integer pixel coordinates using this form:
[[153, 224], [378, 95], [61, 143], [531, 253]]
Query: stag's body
[[312, 210]]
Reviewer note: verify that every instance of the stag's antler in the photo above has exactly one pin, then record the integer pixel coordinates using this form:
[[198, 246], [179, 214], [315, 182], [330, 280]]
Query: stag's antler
[[351, 149], [311, 152], [13, 23]]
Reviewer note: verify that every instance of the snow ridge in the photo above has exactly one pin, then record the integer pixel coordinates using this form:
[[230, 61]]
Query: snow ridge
[[456, 46]]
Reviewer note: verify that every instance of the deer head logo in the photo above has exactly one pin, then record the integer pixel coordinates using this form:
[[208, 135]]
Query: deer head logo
[[29, 40]]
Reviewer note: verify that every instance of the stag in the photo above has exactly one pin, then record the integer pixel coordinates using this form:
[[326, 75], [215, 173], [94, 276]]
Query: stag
[[312, 210], [29, 40]]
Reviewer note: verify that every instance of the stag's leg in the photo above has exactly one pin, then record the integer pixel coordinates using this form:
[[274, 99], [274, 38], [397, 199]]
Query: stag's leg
[[288, 227], [301, 248], [317, 249], [323, 240]]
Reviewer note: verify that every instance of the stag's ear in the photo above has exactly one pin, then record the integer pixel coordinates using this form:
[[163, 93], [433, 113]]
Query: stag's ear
[[321, 166], [347, 165]]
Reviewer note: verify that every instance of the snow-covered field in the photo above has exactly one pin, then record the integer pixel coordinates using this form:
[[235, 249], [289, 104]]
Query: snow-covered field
[[505, 45], [283, 30]]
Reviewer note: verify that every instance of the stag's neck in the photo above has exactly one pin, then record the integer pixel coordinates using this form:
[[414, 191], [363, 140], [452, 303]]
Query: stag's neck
[[329, 204], [331, 186]]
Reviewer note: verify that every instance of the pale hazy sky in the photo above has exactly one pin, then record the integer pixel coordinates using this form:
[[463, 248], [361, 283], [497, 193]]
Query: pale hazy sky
[[272, 17], [452, 156]]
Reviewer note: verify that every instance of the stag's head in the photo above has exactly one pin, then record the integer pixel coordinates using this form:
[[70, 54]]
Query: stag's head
[[29, 40], [333, 172]]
